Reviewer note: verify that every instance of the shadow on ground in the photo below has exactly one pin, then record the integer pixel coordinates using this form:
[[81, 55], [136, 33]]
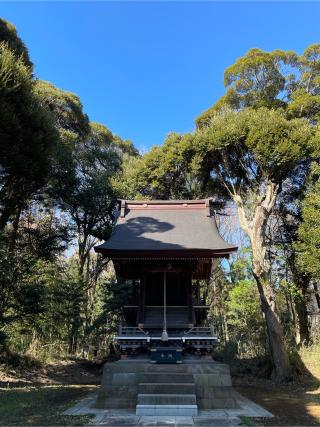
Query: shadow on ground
[[62, 372], [294, 403]]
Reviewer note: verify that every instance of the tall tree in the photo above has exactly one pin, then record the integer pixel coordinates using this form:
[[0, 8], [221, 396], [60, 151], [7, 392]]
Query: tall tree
[[90, 201], [278, 79], [250, 154], [304, 91], [87, 164], [257, 79], [55, 166], [27, 136], [290, 82]]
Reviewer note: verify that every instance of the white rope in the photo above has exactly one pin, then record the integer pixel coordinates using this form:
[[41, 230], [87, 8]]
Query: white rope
[[164, 335]]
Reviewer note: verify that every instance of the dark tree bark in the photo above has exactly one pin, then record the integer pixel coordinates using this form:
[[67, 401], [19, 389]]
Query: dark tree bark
[[301, 282]]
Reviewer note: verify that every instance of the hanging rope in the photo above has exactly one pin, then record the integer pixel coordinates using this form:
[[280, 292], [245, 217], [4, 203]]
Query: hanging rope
[[164, 335]]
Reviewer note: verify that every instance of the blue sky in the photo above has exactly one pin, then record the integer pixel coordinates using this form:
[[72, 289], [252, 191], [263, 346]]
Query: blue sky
[[147, 68]]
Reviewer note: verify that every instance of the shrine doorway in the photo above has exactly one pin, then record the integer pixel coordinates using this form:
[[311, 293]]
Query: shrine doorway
[[176, 291]]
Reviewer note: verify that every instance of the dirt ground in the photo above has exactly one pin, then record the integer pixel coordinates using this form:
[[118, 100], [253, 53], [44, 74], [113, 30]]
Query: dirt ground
[[292, 404], [38, 396], [60, 372]]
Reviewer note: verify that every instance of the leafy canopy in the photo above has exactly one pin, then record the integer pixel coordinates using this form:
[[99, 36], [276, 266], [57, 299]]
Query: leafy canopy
[[8, 34], [236, 154], [308, 246], [27, 135], [278, 79]]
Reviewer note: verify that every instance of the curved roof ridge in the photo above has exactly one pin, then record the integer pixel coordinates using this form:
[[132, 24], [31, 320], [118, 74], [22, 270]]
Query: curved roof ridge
[[167, 202]]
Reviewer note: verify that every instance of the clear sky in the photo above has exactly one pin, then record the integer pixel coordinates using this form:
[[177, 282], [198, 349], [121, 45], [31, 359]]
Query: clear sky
[[147, 68]]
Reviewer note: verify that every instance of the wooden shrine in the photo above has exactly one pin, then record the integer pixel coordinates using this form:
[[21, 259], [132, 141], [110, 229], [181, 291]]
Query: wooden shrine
[[162, 249]]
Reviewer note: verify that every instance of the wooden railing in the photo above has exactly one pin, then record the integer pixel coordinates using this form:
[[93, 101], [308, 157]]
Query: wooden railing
[[200, 331], [130, 331]]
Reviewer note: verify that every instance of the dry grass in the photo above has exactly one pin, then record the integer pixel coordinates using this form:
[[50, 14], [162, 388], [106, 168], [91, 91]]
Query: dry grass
[[311, 358], [293, 404]]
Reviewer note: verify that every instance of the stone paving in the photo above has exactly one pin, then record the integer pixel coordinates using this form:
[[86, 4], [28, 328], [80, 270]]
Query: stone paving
[[163, 421], [206, 418]]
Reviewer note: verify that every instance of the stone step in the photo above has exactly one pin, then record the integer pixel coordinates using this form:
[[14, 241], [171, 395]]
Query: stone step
[[168, 410], [166, 399], [161, 378], [122, 379], [166, 388], [155, 368]]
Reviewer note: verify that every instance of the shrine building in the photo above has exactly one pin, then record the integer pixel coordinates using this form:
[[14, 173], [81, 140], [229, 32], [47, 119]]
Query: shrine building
[[163, 249]]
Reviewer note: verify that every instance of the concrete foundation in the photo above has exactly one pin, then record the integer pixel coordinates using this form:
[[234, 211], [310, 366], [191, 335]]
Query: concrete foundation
[[174, 389]]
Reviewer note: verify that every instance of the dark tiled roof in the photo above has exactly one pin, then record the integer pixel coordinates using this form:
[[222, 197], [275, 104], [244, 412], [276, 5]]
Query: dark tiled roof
[[165, 226]]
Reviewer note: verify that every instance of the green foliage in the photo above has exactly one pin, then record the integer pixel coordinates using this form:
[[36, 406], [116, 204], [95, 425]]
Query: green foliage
[[175, 171], [257, 78], [113, 296], [277, 80], [60, 177], [58, 188], [304, 104], [8, 34], [64, 299], [116, 295], [67, 111], [22, 293], [289, 84], [244, 315], [239, 151], [309, 231], [27, 136], [125, 182], [166, 171], [205, 118], [241, 267], [252, 146]]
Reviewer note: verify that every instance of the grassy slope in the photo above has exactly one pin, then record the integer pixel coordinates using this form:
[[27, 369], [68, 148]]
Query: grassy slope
[[41, 406]]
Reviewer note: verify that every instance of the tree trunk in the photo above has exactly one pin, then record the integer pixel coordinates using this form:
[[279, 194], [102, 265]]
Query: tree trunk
[[317, 294], [15, 227], [279, 354], [72, 348], [256, 230], [303, 332], [301, 282], [261, 272]]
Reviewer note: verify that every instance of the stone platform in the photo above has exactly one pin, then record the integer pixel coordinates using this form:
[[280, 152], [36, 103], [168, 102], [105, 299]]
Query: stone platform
[[171, 389]]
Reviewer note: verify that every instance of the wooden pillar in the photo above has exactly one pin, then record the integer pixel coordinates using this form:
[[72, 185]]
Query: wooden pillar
[[189, 296], [141, 301], [198, 302]]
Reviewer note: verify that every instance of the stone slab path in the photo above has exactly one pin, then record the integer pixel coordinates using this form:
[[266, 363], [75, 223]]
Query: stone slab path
[[206, 418], [163, 421]]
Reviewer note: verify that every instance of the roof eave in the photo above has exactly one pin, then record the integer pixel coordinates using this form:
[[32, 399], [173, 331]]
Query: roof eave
[[164, 253], [165, 202]]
